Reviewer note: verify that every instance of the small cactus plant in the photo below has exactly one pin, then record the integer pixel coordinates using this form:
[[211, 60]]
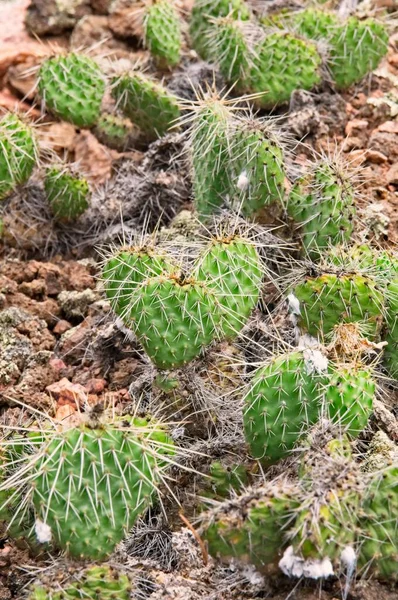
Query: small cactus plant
[[18, 153], [162, 32], [146, 102], [322, 205], [114, 131], [89, 483], [92, 583], [71, 87], [68, 193]]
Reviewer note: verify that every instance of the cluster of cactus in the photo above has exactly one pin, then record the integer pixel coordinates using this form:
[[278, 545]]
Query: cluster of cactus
[[312, 525], [275, 55], [174, 314], [86, 485], [162, 31]]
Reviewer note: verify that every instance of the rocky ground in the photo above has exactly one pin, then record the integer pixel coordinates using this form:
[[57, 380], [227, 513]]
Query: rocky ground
[[59, 344]]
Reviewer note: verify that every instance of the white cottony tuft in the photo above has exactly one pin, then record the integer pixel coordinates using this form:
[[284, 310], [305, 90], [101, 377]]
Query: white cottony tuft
[[295, 566], [243, 182], [307, 341], [130, 335], [43, 532], [315, 361], [348, 557], [294, 304], [253, 576]]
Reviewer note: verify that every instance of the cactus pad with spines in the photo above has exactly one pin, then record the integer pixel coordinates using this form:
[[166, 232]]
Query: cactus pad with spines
[[258, 158], [162, 32], [391, 329], [281, 64], [114, 131], [252, 526], [349, 396], [313, 23], [94, 583], [227, 46], [146, 102], [231, 267], [322, 205], [283, 400], [331, 298], [89, 484], [18, 153], [379, 547], [126, 269], [67, 193], [174, 319], [72, 87], [204, 11]]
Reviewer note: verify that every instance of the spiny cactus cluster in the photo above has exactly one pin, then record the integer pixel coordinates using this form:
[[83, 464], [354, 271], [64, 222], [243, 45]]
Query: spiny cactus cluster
[[174, 314]]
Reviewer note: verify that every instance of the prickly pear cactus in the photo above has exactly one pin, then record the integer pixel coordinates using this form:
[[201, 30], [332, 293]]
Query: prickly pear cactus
[[257, 166], [284, 398], [94, 583], [379, 547], [331, 298], [72, 86], [67, 193], [228, 46], [313, 23], [349, 395], [18, 153], [252, 526], [282, 63], [162, 32], [174, 318], [210, 155], [231, 267], [322, 205], [89, 483], [126, 269], [114, 131], [201, 19], [225, 479], [391, 329], [146, 102]]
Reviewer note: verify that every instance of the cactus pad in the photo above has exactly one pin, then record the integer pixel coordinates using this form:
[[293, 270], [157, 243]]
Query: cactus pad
[[322, 205], [283, 400], [67, 193], [72, 87], [174, 319], [162, 30], [146, 102], [330, 299], [114, 131], [94, 583], [18, 153], [231, 268]]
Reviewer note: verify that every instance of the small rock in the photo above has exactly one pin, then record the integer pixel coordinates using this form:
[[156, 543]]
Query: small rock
[[76, 304], [353, 143], [389, 127], [376, 157], [354, 125], [95, 386], [392, 175], [61, 327], [66, 392], [53, 16]]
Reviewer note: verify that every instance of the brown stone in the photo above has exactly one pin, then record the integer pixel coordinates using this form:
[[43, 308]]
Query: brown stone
[[355, 125], [95, 386], [66, 392], [62, 326], [392, 175], [376, 157]]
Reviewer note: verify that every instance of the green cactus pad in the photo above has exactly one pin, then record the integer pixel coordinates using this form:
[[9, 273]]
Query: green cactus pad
[[90, 484], [113, 131], [227, 46], [18, 153], [94, 583], [257, 167], [202, 14], [282, 63], [313, 23], [146, 102], [126, 269], [379, 547], [283, 400], [72, 87], [67, 193], [162, 32], [391, 329], [357, 48], [252, 526], [349, 395], [225, 479], [210, 156], [330, 299], [174, 319], [231, 268], [322, 204]]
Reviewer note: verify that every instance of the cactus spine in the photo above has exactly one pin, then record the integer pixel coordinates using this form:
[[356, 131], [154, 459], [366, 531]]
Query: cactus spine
[[18, 153]]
